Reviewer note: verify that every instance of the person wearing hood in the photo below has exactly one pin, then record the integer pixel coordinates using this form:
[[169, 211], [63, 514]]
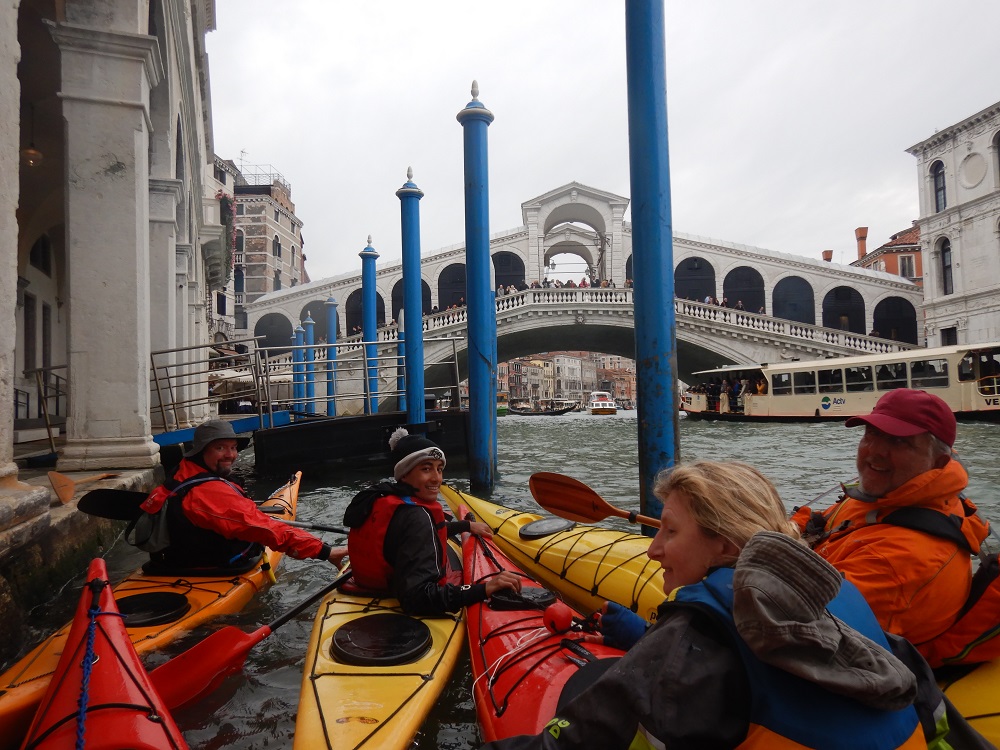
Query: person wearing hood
[[213, 524], [760, 643], [398, 535]]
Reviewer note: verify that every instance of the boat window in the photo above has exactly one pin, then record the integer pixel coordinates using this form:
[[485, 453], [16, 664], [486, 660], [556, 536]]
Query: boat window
[[989, 373], [804, 382], [890, 375], [858, 379], [781, 384], [966, 368], [831, 381], [929, 373]]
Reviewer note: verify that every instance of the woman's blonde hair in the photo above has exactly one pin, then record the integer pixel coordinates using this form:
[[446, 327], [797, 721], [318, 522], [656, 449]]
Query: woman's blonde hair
[[731, 499]]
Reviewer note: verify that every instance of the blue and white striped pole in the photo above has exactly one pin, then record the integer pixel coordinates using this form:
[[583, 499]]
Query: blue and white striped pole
[[369, 323], [401, 361], [298, 370], [409, 209], [652, 246], [310, 357], [331, 357], [475, 120]]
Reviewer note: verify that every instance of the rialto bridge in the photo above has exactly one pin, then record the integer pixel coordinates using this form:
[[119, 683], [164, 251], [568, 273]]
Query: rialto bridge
[[793, 306]]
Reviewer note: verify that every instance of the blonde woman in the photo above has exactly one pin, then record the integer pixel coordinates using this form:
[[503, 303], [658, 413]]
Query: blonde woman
[[759, 644]]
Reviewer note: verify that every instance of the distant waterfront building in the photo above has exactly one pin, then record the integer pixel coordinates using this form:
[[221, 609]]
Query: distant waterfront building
[[269, 252], [959, 184], [900, 255]]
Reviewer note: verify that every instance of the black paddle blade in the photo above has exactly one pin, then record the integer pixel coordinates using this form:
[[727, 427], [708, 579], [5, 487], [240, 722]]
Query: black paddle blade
[[120, 505]]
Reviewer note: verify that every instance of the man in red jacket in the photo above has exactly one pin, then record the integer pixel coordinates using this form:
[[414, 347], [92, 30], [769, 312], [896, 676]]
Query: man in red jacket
[[916, 581], [215, 524]]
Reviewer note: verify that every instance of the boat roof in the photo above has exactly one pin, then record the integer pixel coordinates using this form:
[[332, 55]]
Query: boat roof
[[860, 359]]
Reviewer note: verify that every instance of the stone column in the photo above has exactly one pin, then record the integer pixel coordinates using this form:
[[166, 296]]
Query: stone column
[[616, 244], [163, 198], [24, 510], [106, 80]]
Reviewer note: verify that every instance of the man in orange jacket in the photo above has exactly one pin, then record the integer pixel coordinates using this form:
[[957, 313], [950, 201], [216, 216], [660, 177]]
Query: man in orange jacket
[[915, 581]]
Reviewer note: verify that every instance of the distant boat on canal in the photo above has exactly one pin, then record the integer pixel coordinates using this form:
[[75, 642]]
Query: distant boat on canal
[[600, 402], [502, 403], [966, 377]]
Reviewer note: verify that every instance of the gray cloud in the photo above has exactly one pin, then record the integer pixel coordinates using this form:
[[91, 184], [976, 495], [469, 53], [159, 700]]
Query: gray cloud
[[788, 120]]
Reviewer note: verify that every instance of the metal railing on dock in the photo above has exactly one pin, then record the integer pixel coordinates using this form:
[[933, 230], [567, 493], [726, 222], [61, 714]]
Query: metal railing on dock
[[242, 378]]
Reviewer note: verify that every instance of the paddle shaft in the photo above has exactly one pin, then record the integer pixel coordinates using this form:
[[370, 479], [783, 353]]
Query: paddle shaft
[[199, 670], [123, 505]]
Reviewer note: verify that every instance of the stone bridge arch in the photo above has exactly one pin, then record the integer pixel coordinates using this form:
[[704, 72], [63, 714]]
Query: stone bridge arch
[[353, 311], [397, 298], [694, 279], [508, 269], [276, 329]]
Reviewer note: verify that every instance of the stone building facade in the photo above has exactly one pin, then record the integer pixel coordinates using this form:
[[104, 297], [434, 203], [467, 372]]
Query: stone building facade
[[268, 236], [112, 232], [959, 182]]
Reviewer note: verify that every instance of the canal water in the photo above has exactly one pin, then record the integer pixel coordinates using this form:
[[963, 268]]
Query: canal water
[[257, 709]]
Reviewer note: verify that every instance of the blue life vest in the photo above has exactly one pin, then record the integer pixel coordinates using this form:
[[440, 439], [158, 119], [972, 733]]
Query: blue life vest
[[789, 712]]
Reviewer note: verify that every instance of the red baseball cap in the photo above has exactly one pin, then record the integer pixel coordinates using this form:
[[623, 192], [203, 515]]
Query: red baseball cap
[[904, 412]]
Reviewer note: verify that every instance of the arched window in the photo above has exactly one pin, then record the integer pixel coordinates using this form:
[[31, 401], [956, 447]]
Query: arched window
[[277, 280], [940, 198], [947, 281], [276, 247]]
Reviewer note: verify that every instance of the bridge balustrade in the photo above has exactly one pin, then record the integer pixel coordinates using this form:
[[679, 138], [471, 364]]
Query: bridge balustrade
[[685, 310], [781, 327]]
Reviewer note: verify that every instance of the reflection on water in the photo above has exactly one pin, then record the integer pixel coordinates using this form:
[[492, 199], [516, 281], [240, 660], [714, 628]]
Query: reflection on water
[[257, 709]]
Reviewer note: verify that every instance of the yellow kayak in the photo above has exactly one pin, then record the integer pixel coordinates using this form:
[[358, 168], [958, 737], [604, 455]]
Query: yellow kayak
[[372, 672], [977, 698], [587, 565], [163, 608]]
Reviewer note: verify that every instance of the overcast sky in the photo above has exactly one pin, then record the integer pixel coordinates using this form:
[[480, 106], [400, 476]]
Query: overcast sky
[[788, 121]]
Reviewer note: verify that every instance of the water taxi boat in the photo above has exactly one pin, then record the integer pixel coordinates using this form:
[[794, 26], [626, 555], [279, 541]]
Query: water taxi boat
[[966, 377], [502, 403], [600, 402]]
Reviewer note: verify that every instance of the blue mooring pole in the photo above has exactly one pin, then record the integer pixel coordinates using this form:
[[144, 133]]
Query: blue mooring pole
[[413, 313], [331, 357], [652, 246], [369, 324], [475, 120], [310, 357]]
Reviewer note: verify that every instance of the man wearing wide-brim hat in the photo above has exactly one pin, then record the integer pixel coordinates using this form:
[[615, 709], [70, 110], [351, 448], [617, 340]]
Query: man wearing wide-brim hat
[[885, 533], [213, 523]]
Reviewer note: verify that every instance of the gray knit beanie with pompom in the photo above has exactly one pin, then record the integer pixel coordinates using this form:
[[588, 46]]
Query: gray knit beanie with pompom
[[409, 450]]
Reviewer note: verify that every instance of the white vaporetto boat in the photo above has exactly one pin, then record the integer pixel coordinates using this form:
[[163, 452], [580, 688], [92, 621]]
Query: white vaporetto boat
[[966, 377], [600, 402]]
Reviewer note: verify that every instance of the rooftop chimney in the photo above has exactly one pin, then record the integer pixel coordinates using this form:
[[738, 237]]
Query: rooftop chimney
[[828, 255], [861, 235]]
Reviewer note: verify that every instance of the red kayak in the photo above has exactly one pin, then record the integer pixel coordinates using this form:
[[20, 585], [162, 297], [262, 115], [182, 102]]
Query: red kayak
[[520, 666], [100, 696]]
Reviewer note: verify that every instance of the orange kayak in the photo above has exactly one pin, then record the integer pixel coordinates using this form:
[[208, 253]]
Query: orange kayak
[[100, 692], [159, 609]]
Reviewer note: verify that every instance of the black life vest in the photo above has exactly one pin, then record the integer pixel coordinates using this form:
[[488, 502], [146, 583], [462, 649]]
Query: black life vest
[[193, 547]]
